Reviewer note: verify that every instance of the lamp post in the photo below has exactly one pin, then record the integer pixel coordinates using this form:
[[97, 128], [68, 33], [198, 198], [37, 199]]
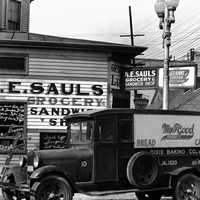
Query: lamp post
[[165, 11]]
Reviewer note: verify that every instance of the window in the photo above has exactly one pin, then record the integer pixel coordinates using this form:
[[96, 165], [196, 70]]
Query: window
[[12, 64], [106, 129], [125, 130], [81, 132], [14, 13], [54, 140], [12, 127]]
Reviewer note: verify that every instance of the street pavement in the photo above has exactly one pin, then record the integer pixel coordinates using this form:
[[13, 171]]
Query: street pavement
[[123, 196], [78, 196]]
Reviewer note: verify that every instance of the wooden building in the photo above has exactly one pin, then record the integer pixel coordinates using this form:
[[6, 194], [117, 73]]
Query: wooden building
[[43, 78]]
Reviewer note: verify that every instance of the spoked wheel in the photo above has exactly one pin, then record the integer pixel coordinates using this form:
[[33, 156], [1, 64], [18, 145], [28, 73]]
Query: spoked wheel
[[148, 195], [52, 188], [187, 188]]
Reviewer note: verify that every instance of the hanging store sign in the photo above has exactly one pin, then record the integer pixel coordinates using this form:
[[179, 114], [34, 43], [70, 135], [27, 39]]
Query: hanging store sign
[[179, 77], [141, 78], [49, 100]]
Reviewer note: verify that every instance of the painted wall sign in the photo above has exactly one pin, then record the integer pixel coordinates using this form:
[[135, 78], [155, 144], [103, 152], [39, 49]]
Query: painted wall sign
[[166, 131], [141, 78], [48, 100], [179, 77]]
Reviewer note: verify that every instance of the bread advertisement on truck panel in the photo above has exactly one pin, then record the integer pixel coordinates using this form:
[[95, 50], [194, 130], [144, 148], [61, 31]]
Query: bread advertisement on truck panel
[[166, 131]]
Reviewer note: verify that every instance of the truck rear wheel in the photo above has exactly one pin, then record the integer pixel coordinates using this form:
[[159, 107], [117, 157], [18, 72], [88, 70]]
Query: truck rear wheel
[[142, 170], [52, 188], [187, 187], [149, 195]]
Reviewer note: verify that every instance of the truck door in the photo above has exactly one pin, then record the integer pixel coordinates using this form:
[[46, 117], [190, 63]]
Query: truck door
[[105, 150]]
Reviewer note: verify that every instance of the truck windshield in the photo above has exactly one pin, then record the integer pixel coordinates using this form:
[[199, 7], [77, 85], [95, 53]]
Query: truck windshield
[[81, 132]]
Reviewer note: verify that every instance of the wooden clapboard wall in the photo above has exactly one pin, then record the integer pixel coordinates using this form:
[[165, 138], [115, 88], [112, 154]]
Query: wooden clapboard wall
[[14, 161], [71, 64], [67, 68], [75, 67]]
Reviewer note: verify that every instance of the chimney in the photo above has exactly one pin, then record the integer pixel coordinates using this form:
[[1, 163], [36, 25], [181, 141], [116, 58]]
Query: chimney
[[14, 15]]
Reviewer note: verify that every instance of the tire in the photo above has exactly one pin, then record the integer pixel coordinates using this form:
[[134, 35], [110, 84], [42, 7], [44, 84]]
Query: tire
[[52, 188], [142, 170], [148, 196], [187, 187]]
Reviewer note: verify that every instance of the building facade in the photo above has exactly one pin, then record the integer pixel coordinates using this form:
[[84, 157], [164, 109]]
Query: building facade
[[43, 78]]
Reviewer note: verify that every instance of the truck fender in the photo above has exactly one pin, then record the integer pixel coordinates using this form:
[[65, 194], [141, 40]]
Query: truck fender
[[49, 170], [175, 174]]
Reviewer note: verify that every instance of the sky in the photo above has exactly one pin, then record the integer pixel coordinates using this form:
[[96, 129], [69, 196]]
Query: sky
[[106, 20]]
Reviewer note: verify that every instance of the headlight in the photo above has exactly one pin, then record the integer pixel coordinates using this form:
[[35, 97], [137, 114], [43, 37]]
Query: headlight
[[23, 161], [36, 161]]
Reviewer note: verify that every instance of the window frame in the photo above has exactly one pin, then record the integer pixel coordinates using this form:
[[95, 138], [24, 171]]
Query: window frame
[[127, 120], [79, 128], [9, 17], [14, 71], [99, 123], [44, 134]]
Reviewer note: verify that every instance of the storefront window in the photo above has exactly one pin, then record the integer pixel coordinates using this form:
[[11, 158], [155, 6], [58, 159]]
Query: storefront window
[[12, 127], [54, 140]]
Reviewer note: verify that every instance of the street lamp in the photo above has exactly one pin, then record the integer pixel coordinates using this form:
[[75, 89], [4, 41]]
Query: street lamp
[[165, 11]]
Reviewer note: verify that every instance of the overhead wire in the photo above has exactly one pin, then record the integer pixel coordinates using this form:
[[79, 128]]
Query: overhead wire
[[181, 36]]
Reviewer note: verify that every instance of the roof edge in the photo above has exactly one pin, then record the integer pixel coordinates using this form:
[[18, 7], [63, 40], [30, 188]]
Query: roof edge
[[115, 48]]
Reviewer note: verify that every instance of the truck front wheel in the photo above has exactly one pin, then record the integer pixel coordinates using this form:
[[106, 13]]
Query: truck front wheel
[[148, 196], [187, 187], [52, 188]]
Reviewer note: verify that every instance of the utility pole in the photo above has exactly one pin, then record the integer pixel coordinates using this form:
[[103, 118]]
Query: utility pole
[[133, 93], [131, 35], [131, 26]]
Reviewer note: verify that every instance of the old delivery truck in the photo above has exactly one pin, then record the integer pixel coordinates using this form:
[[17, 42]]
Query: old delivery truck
[[153, 153]]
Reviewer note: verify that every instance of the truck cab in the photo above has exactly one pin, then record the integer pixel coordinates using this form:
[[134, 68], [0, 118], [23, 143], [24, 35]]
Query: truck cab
[[153, 153]]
